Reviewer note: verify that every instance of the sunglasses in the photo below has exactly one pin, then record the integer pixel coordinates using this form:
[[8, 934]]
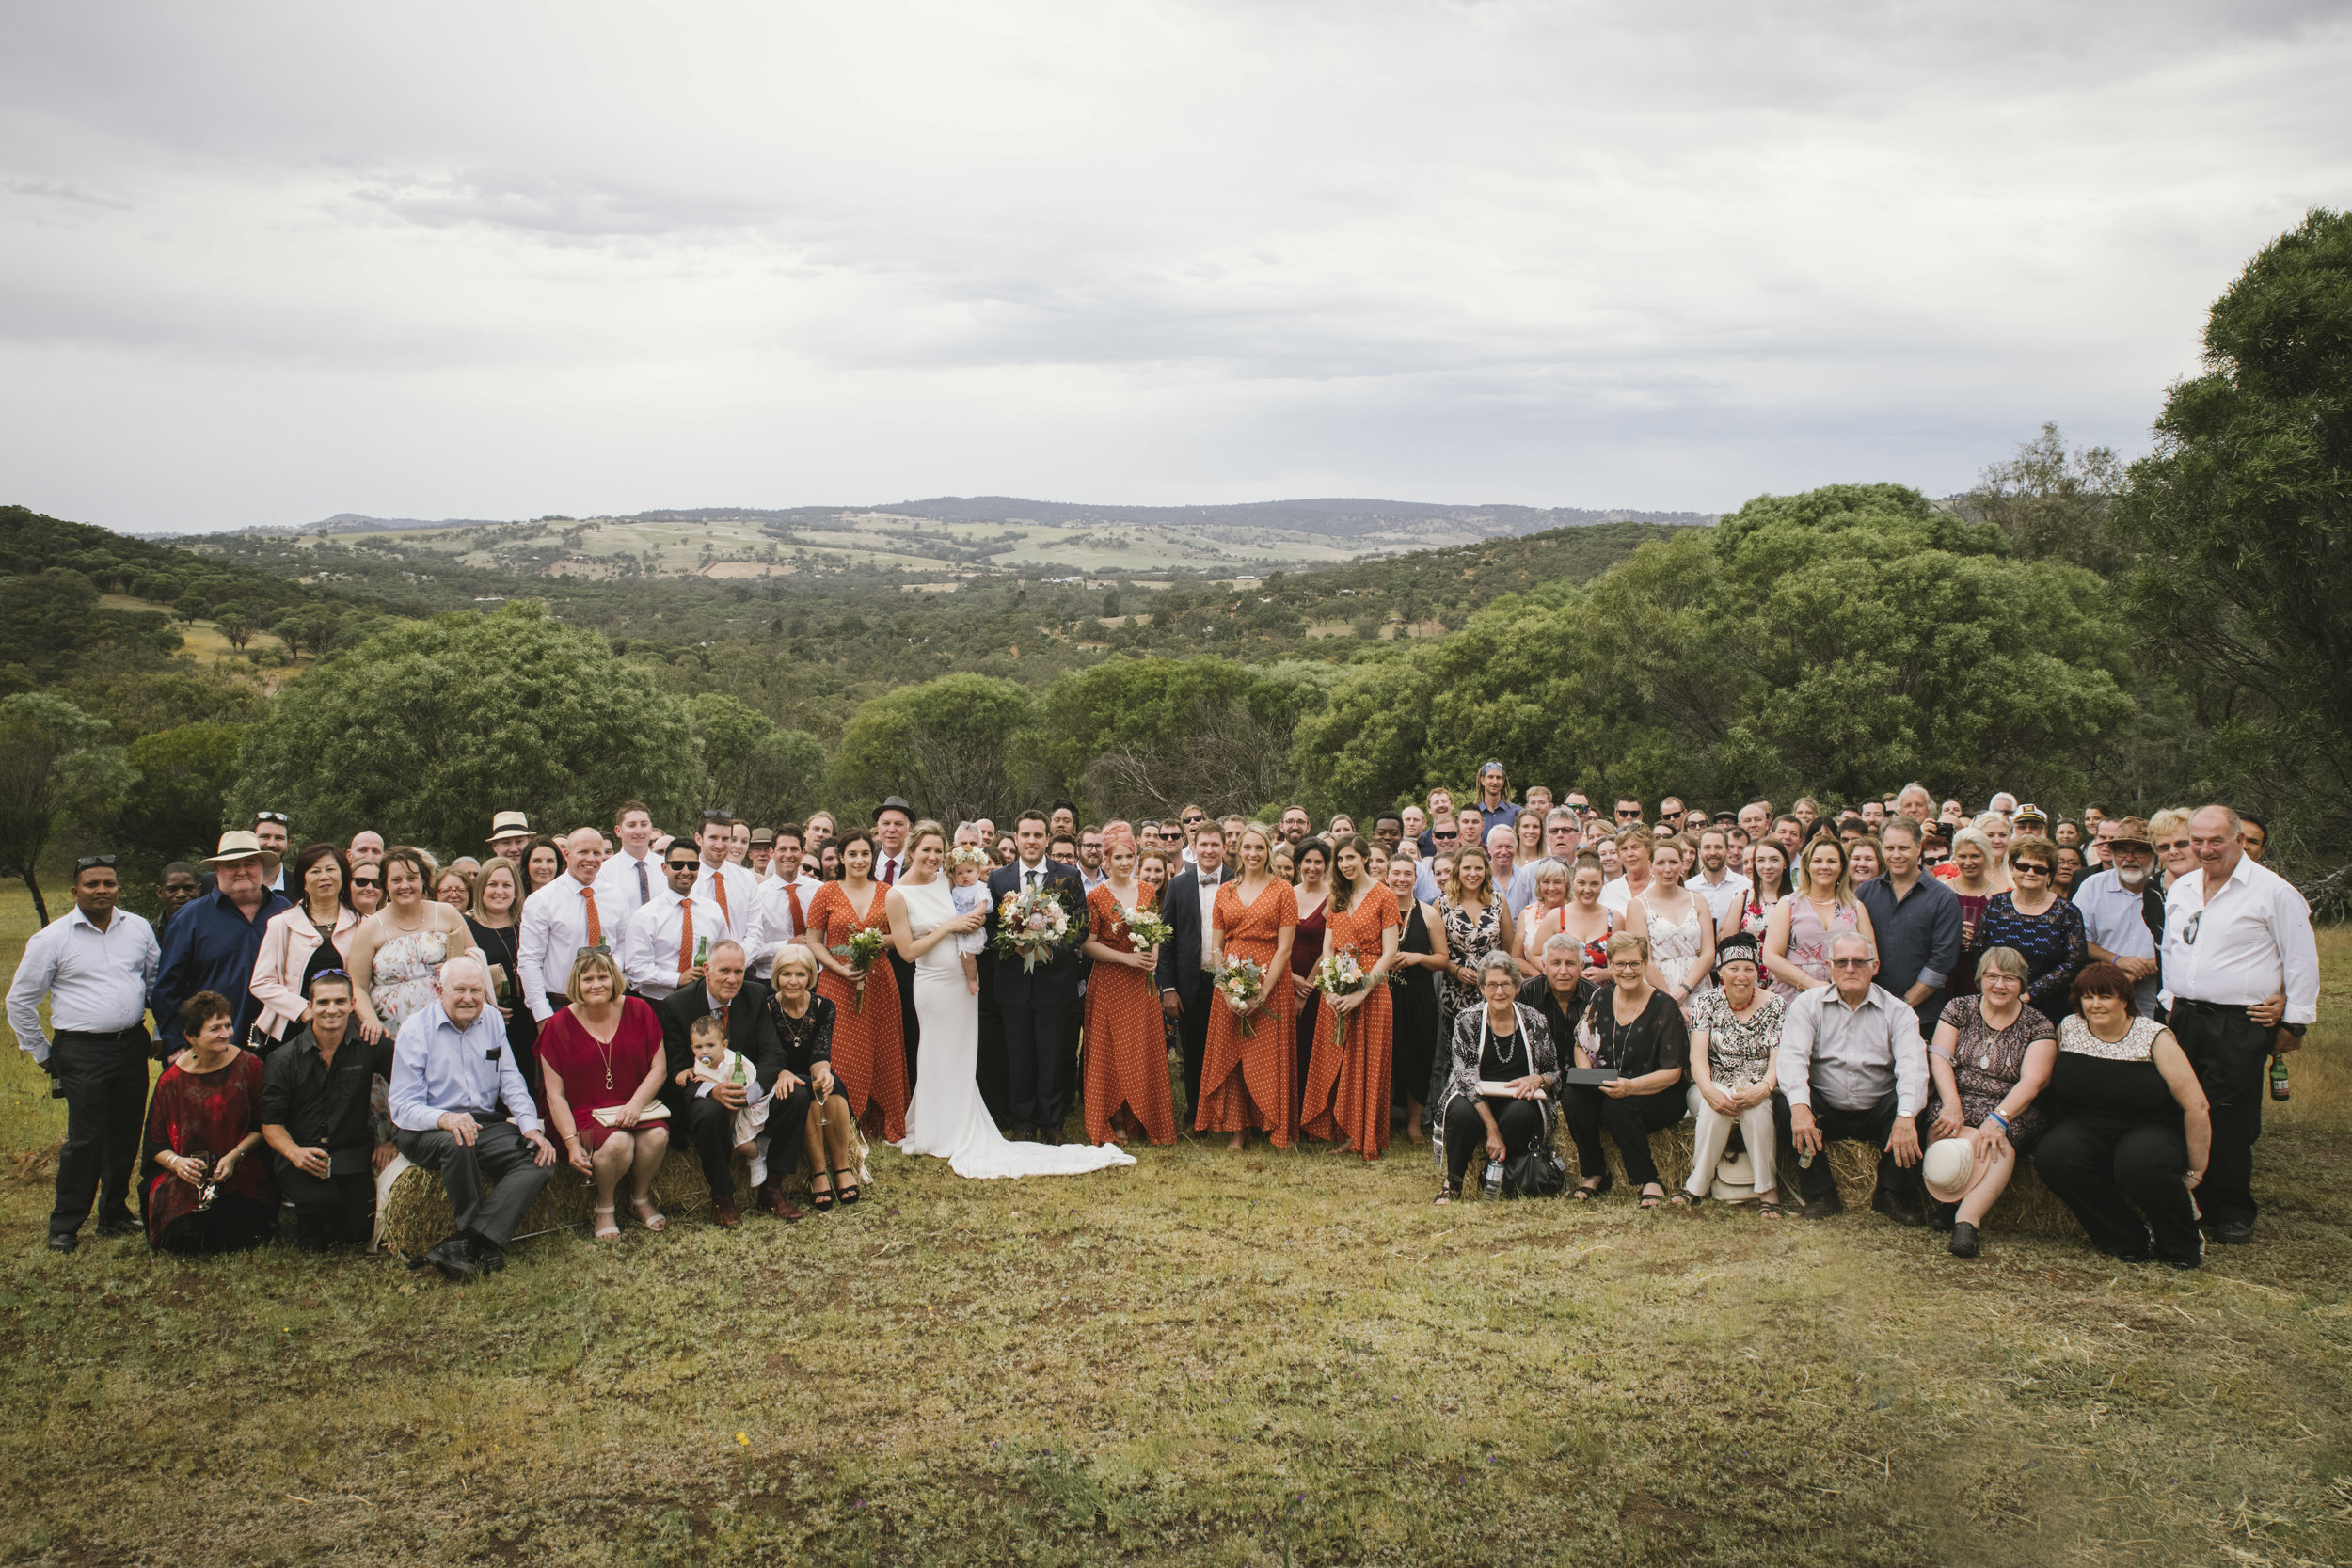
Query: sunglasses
[[277, 817], [1625, 815], [86, 861], [2035, 866], [1193, 821], [367, 881], [683, 865]]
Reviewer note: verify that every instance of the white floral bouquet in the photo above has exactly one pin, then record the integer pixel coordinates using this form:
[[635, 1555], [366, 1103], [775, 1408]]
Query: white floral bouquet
[[1336, 974], [1030, 924], [1241, 981], [1147, 928], [865, 945]]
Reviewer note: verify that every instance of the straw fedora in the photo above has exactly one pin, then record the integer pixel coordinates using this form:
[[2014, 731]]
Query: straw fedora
[[237, 844], [509, 824]]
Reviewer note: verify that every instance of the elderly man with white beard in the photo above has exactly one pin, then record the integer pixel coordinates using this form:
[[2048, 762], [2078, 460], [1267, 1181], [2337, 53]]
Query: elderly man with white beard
[[2122, 910]]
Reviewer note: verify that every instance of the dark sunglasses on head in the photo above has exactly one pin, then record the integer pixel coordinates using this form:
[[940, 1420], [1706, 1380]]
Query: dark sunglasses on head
[[86, 862]]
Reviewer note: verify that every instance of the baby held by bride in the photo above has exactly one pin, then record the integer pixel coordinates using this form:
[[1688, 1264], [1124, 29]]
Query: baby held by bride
[[966, 864]]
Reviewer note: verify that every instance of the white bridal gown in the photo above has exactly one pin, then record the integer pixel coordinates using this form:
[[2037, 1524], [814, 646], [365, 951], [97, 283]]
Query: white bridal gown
[[948, 1116]]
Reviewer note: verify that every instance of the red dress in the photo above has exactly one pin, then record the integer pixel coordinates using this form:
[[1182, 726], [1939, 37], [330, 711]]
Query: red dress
[[1126, 1037], [1347, 1087], [1253, 1080], [869, 1046], [205, 1116], [570, 1055]]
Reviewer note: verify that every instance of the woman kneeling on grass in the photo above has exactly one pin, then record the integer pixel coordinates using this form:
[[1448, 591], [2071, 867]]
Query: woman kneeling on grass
[[1502, 1043], [203, 1190], [1991, 1056]]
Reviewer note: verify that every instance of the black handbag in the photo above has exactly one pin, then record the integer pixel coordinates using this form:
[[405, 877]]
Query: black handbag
[[1538, 1173]]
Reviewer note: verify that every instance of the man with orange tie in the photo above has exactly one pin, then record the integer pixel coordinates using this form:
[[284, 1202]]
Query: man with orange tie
[[559, 919], [668, 942], [730, 886], [782, 913]]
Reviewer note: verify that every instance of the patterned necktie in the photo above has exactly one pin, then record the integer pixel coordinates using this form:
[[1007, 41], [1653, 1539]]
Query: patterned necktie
[[595, 925], [686, 936], [724, 1008], [645, 889], [792, 897], [719, 886]]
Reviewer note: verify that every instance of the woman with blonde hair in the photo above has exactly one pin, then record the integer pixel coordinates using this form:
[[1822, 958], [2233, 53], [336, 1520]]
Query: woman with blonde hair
[[1249, 1079], [1823, 908], [1973, 882], [1998, 829], [601, 1065], [397, 953], [2167, 833], [1635, 1029], [1476, 924], [809, 1106], [1676, 922]]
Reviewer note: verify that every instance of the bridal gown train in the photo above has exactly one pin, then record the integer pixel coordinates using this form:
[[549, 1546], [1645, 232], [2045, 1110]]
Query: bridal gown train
[[947, 1116]]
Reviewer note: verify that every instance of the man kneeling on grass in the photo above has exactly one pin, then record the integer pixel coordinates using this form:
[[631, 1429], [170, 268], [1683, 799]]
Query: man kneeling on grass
[[316, 1119], [1852, 1065], [460, 1106]]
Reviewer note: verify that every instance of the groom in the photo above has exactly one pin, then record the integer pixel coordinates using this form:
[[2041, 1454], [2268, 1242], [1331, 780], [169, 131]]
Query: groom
[[1033, 1003]]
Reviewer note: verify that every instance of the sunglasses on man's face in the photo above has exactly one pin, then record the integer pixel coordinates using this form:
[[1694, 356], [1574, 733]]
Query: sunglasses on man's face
[[685, 865]]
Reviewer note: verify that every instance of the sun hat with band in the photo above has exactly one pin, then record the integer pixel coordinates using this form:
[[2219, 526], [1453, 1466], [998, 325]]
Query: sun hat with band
[[1946, 1167], [2132, 832], [509, 824], [237, 844]]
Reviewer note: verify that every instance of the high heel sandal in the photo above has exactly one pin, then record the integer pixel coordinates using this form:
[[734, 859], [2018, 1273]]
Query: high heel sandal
[[647, 1215], [606, 1228], [817, 1200], [845, 1193], [1447, 1193], [1585, 1195]]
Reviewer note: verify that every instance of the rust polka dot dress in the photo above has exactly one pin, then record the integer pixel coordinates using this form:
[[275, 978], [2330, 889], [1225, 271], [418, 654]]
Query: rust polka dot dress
[[869, 1047], [1126, 1037], [1347, 1085]]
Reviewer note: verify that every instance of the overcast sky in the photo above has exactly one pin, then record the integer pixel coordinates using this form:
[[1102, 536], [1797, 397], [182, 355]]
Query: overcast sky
[[263, 264]]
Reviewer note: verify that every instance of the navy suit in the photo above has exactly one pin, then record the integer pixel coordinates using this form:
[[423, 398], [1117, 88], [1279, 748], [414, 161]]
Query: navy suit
[[1033, 1003], [1179, 972]]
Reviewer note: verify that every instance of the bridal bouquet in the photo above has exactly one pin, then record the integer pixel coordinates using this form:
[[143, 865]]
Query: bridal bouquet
[[1339, 974], [1147, 929], [1030, 924], [865, 945], [1240, 981]]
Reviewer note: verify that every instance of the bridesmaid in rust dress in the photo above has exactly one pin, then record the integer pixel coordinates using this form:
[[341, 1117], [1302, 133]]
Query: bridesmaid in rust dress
[[1127, 1071], [1347, 1084], [869, 1054], [1251, 1081]]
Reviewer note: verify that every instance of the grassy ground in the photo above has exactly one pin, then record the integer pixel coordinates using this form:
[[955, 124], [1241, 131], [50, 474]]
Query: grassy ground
[[1203, 1359]]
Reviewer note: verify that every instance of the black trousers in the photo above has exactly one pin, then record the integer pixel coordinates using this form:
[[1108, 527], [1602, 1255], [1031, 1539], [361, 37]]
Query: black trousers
[[1192, 1039], [1519, 1121], [230, 1225], [1873, 1126], [1630, 1119], [2127, 1183], [1033, 1051], [710, 1128], [330, 1210], [104, 1079], [910, 1026], [2231, 1054], [989, 1072]]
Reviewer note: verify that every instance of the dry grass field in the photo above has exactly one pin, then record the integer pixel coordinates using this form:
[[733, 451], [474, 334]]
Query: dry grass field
[[1270, 1358]]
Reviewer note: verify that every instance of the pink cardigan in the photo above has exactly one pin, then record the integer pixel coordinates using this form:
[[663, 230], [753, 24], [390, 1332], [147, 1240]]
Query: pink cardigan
[[287, 943]]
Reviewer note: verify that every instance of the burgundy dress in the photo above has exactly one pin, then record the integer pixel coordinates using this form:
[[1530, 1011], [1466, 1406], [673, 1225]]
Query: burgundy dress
[[1307, 952], [206, 1115], [573, 1056]]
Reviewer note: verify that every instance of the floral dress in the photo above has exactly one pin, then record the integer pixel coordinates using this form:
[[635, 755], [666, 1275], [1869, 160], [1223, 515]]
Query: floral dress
[[1470, 935], [1809, 940], [1738, 1050], [407, 969], [1987, 1062]]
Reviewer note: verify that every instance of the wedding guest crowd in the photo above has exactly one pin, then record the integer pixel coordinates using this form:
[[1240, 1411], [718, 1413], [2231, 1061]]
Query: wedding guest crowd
[[1957, 995]]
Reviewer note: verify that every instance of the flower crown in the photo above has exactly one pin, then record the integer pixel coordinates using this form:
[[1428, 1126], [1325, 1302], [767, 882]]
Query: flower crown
[[970, 855]]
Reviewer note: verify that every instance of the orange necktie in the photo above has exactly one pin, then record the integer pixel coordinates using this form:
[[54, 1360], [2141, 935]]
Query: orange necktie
[[596, 926], [686, 936], [792, 897], [718, 887]]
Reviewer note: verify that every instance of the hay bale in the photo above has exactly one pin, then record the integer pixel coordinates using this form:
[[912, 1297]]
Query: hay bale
[[417, 1215], [2026, 1208]]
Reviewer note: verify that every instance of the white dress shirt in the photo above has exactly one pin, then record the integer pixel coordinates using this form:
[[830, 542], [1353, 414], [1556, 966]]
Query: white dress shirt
[[554, 929], [437, 1067], [1849, 1056], [96, 981], [618, 893], [1724, 897], [772, 924], [1208, 892], [742, 895], [649, 948], [2251, 940]]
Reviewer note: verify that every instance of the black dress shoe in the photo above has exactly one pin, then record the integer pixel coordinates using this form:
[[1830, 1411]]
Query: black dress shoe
[[2234, 1232], [487, 1253], [1896, 1208], [1944, 1216], [456, 1260], [1823, 1208], [63, 1240], [1964, 1239], [123, 1223]]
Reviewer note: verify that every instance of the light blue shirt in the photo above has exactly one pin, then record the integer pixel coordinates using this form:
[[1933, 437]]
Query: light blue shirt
[[1424, 886], [2112, 917], [439, 1067]]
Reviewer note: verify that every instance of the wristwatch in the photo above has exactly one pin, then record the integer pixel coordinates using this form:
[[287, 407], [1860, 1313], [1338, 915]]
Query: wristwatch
[[2294, 1029]]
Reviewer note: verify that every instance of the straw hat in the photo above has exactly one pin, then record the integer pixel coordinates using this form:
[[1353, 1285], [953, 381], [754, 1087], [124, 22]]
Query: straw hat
[[1946, 1167], [237, 844], [509, 824]]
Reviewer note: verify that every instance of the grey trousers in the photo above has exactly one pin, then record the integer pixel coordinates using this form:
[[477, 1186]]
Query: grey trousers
[[498, 1152]]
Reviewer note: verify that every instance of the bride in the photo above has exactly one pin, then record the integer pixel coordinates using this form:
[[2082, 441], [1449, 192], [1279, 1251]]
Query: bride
[[947, 1117]]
